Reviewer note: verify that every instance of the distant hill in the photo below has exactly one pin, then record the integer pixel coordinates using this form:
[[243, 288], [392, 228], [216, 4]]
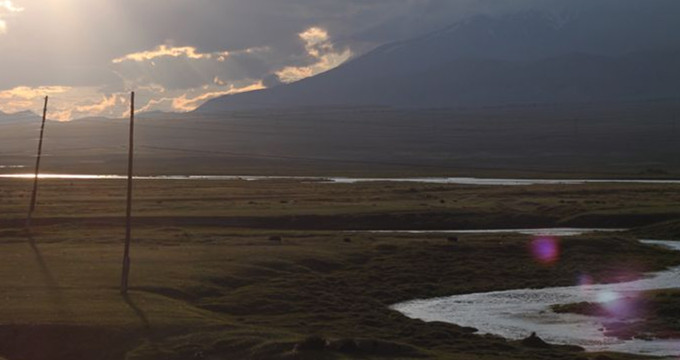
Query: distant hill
[[21, 116], [528, 57]]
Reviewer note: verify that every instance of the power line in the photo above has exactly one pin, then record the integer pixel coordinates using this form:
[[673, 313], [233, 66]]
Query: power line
[[128, 213], [34, 194]]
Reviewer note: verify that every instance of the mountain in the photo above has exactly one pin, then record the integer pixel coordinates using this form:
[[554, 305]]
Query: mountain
[[589, 55], [21, 116], [157, 114]]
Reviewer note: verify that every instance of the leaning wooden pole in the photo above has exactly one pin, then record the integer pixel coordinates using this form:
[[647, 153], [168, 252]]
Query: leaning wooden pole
[[128, 214], [34, 194]]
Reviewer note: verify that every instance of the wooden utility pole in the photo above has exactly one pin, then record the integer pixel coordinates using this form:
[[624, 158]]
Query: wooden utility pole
[[128, 216], [34, 194]]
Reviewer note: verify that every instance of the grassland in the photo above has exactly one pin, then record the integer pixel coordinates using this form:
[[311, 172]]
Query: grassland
[[211, 279], [622, 140], [301, 205]]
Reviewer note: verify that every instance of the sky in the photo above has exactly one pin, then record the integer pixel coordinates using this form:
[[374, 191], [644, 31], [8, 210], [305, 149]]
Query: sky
[[87, 55]]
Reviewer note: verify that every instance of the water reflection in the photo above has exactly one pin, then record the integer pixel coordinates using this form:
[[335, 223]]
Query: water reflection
[[347, 180], [515, 314], [532, 232]]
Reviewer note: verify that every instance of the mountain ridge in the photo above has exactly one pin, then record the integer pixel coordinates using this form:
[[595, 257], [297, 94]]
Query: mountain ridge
[[542, 54], [576, 77], [18, 116]]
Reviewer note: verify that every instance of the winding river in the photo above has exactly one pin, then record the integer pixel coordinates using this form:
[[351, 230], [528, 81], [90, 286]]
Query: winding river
[[511, 314], [533, 232], [515, 314]]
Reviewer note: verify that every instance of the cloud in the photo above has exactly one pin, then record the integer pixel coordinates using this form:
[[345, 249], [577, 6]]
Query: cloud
[[66, 103], [179, 101], [168, 51], [29, 93], [321, 49], [184, 103], [185, 67], [175, 49], [100, 107], [7, 9], [8, 6], [181, 78], [22, 98]]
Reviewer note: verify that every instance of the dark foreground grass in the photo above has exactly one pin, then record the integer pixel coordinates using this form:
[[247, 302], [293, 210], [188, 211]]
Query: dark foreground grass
[[242, 270], [311, 296], [663, 230]]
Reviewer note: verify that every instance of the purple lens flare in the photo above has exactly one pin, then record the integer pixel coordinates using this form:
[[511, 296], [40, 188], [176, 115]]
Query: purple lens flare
[[546, 249]]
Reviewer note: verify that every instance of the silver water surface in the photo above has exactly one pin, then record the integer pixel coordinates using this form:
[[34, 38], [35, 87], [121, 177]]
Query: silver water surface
[[533, 232], [346, 180], [515, 314]]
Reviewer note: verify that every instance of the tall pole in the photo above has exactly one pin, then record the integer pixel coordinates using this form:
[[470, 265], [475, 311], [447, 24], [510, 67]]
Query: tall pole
[[34, 194], [128, 216]]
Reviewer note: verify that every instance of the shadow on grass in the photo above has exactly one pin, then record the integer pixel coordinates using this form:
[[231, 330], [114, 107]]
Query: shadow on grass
[[146, 325], [53, 288]]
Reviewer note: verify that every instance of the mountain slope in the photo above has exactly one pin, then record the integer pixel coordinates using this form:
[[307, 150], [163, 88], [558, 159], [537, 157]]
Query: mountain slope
[[530, 57], [475, 82], [21, 116]]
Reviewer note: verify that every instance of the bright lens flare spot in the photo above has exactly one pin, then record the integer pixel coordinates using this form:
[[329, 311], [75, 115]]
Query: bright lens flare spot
[[620, 306], [607, 297], [545, 250]]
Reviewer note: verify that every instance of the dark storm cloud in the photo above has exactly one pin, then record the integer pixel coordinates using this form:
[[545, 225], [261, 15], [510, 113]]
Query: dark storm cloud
[[76, 39], [73, 43]]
